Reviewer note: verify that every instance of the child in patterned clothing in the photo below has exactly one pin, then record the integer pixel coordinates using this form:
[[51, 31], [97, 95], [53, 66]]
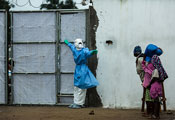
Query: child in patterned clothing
[[158, 76], [148, 68]]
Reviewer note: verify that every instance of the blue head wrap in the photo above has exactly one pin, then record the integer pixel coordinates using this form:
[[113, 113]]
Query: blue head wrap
[[152, 50], [137, 50]]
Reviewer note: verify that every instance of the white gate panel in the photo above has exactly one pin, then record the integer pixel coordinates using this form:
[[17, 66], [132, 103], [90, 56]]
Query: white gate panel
[[34, 54], [67, 60], [34, 27], [66, 86], [73, 26], [34, 58], [2, 57], [34, 89]]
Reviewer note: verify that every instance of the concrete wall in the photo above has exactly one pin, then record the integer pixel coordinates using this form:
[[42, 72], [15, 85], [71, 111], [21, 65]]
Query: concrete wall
[[128, 23]]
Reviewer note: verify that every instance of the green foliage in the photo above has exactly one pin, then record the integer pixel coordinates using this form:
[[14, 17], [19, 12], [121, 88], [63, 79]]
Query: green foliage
[[5, 5], [56, 4]]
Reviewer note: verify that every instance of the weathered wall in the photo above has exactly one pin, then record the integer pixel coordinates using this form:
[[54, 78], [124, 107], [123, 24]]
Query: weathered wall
[[92, 96], [128, 23]]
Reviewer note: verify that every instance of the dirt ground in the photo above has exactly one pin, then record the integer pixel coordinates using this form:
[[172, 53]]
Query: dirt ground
[[64, 113]]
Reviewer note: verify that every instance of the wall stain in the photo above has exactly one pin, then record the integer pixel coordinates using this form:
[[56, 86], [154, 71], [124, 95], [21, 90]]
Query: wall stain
[[92, 97], [123, 1]]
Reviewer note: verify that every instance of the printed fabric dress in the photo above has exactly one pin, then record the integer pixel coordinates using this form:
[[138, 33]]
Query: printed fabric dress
[[149, 68], [83, 77], [160, 73]]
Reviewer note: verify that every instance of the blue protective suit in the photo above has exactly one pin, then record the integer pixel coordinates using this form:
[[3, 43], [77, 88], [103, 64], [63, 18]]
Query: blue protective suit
[[152, 50], [83, 77]]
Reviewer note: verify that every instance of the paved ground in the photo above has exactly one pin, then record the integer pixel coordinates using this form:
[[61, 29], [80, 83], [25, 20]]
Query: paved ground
[[64, 113]]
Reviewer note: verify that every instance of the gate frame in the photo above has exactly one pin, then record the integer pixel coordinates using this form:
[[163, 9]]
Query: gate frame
[[57, 43], [87, 22], [38, 43], [5, 55]]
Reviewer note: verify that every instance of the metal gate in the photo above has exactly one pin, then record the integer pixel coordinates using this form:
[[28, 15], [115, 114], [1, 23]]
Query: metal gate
[[73, 24], [43, 66], [34, 54], [3, 57]]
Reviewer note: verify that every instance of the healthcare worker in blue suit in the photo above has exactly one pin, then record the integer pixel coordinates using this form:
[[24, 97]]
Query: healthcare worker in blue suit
[[83, 77]]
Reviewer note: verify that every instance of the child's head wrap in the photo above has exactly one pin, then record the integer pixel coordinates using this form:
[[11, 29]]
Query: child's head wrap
[[137, 51]]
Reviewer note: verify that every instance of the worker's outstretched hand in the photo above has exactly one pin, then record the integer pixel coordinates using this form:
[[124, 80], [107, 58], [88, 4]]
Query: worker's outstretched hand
[[94, 51], [66, 42]]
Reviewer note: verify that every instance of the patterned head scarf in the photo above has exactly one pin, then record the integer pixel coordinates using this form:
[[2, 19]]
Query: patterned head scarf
[[158, 65]]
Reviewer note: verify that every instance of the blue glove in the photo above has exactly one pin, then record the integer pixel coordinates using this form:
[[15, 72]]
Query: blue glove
[[66, 42], [94, 51]]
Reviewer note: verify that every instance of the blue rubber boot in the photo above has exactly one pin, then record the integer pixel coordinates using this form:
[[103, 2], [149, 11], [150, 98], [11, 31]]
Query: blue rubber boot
[[74, 106]]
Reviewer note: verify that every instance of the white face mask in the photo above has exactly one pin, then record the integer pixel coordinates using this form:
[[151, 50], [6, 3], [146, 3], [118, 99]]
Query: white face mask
[[78, 44]]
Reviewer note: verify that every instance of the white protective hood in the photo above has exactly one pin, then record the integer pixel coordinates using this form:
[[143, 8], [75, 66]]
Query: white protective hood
[[79, 44]]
